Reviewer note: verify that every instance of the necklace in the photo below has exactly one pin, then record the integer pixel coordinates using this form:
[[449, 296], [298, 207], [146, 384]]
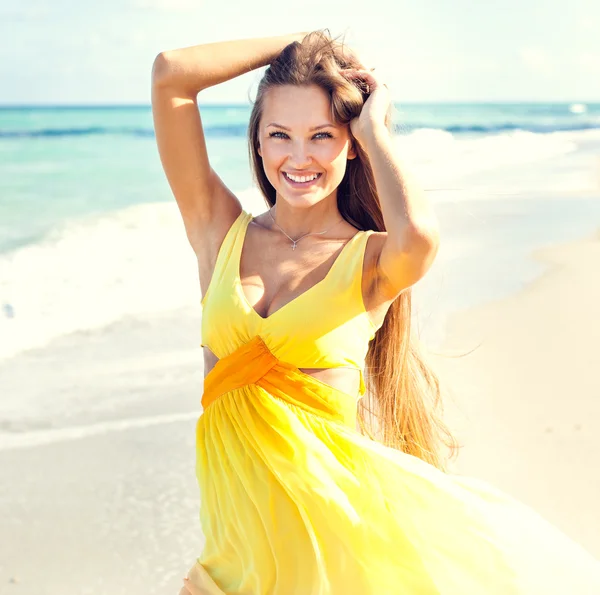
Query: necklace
[[294, 242]]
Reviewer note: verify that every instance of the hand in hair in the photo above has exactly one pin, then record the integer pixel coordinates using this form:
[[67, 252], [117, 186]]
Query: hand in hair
[[376, 107]]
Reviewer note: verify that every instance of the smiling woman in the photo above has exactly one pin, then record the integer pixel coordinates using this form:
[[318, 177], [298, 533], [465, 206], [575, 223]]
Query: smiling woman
[[306, 320], [303, 157]]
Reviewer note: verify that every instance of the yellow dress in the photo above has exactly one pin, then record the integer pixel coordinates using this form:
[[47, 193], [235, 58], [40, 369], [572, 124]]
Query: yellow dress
[[294, 501]]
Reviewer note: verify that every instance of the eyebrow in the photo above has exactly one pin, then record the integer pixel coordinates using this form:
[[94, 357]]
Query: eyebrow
[[311, 129]]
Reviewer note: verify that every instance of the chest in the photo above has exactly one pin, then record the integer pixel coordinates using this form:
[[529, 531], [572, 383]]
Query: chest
[[279, 277]]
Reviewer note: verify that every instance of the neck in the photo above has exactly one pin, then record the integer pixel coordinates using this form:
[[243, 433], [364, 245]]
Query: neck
[[297, 221]]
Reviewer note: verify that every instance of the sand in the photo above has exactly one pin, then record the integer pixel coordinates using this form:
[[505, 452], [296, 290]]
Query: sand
[[106, 501], [116, 512], [525, 403]]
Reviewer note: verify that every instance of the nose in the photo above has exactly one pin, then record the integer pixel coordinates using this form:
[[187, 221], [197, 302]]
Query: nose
[[300, 156]]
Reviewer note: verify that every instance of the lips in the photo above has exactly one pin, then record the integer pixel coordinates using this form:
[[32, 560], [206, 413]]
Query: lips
[[302, 184], [304, 174]]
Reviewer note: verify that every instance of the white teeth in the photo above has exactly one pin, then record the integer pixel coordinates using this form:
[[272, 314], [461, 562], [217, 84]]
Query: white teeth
[[302, 178]]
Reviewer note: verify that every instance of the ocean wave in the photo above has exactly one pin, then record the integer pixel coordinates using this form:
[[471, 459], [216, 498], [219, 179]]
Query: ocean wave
[[218, 131], [94, 271], [37, 437], [241, 130], [515, 127]]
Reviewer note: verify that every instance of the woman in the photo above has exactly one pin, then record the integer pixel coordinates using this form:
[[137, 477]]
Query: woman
[[295, 302]]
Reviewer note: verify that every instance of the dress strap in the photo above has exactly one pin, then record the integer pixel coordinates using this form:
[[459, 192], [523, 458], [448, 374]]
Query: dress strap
[[349, 275]]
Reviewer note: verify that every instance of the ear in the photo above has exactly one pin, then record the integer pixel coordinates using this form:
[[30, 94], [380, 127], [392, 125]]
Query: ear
[[352, 150], [258, 149]]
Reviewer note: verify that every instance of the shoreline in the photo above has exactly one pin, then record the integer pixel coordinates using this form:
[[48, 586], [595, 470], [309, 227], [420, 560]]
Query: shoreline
[[521, 394]]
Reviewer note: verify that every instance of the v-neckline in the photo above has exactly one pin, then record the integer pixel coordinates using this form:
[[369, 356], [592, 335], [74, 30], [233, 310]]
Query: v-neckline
[[238, 277]]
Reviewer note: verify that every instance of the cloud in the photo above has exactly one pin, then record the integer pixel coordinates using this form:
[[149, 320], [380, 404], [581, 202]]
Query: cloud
[[589, 62], [587, 24], [15, 13], [536, 59], [170, 5]]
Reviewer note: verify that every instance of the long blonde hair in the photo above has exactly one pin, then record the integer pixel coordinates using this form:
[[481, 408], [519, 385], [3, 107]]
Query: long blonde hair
[[400, 408]]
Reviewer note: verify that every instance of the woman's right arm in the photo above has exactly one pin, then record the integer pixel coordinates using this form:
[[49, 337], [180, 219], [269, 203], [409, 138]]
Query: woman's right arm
[[207, 206]]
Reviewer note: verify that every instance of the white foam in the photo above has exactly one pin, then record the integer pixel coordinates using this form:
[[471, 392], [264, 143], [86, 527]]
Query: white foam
[[578, 108], [53, 436], [518, 162], [441, 156], [92, 272]]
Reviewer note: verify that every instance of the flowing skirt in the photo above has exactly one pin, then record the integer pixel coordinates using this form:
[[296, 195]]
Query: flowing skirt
[[294, 501]]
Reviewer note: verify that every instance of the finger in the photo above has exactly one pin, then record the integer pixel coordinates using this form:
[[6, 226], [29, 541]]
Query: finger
[[367, 75], [369, 81]]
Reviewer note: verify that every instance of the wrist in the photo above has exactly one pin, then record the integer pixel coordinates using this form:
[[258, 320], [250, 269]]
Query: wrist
[[377, 133], [296, 36]]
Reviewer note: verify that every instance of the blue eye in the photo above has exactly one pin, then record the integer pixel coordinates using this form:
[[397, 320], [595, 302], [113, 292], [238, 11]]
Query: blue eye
[[325, 134]]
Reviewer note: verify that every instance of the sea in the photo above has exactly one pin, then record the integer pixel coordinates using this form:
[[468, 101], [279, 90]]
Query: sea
[[90, 234]]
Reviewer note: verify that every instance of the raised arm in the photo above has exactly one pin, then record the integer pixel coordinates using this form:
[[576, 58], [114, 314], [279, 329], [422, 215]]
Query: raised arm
[[207, 206]]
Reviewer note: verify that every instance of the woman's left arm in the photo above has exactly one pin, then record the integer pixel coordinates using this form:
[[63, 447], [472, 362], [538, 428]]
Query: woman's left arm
[[412, 231]]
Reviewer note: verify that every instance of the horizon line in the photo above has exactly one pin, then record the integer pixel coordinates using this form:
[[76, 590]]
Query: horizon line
[[246, 105]]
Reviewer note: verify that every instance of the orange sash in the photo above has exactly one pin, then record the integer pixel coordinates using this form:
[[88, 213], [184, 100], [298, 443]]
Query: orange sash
[[254, 363]]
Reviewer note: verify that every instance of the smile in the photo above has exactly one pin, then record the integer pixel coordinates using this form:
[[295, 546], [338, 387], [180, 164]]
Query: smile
[[308, 180]]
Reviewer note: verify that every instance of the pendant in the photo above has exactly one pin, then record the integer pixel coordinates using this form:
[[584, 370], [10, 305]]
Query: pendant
[[294, 246]]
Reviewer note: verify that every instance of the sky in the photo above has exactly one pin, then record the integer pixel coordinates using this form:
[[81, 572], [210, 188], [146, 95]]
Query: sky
[[73, 52]]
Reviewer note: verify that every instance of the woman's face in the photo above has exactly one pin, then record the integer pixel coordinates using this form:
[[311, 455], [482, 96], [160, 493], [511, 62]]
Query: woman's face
[[291, 143]]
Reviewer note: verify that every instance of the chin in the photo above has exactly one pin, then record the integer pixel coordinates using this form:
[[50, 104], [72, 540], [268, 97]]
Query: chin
[[300, 201]]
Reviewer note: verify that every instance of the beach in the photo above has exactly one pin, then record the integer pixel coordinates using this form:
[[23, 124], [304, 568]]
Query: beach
[[114, 510], [101, 368], [524, 392], [106, 502]]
